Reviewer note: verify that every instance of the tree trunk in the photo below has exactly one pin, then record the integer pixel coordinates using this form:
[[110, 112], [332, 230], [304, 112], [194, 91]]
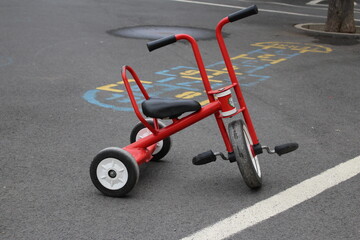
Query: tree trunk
[[340, 16]]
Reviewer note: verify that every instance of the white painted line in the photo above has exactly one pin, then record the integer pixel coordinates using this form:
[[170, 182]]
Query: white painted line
[[279, 203], [209, 4], [297, 6], [263, 10], [260, 9], [323, 7], [316, 3]]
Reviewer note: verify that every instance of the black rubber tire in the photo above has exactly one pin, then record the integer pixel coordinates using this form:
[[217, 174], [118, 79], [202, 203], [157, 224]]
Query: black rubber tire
[[248, 165], [166, 142], [126, 159]]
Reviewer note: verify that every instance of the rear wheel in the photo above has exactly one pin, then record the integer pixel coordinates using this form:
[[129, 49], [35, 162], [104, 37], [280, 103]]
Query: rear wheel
[[114, 172], [247, 162], [140, 131]]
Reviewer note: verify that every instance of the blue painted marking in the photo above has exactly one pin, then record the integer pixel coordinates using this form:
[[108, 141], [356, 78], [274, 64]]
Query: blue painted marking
[[90, 96], [281, 53], [259, 79], [166, 79], [260, 50], [165, 73], [189, 84], [172, 76], [182, 67], [169, 87], [215, 64], [258, 68], [115, 96], [5, 61]]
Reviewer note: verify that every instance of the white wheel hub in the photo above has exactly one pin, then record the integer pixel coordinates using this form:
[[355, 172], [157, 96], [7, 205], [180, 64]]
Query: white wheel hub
[[146, 132], [112, 173]]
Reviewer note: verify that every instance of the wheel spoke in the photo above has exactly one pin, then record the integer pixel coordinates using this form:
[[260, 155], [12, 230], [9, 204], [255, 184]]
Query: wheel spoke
[[118, 168]]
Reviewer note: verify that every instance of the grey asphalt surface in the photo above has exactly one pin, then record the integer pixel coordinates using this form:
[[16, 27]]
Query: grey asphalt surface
[[53, 52]]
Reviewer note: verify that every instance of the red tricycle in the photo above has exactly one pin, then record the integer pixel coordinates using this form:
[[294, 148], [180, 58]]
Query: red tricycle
[[115, 171]]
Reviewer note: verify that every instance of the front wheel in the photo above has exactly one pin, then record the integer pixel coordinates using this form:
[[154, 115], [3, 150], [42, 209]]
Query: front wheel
[[162, 147], [114, 172], [247, 162]]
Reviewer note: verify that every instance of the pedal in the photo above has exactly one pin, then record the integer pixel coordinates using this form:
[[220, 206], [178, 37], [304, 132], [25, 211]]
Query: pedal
[[204, 158], [286, 148]]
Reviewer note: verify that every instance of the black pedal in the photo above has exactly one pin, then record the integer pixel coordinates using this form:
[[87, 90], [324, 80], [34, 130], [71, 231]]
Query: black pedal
[[286, 148], [204, 158]]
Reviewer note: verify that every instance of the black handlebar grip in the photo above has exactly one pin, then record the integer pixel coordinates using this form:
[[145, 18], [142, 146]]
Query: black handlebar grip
[[286, 148], [162, 42], [243, 13]]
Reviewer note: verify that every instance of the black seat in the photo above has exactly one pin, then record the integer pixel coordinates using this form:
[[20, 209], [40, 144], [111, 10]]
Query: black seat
[[168, 108]]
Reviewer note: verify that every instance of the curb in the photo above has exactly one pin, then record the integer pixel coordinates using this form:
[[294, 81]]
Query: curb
[[317, 29]]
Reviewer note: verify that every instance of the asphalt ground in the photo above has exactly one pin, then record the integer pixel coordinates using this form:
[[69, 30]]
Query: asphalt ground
[[53, 54]]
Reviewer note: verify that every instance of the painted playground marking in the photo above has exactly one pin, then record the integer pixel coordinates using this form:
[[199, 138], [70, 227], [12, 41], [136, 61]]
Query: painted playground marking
[[185, 81], [280, 202]]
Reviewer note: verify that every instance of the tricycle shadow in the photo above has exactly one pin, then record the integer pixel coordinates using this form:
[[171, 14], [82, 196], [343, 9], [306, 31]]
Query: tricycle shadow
[[166, 178]]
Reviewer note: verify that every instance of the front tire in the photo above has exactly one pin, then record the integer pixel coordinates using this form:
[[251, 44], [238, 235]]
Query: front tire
[[247, 163], [114, 172]]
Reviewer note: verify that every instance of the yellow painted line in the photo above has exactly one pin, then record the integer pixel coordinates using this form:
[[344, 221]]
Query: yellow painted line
[[110, 88], [204, 102]]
